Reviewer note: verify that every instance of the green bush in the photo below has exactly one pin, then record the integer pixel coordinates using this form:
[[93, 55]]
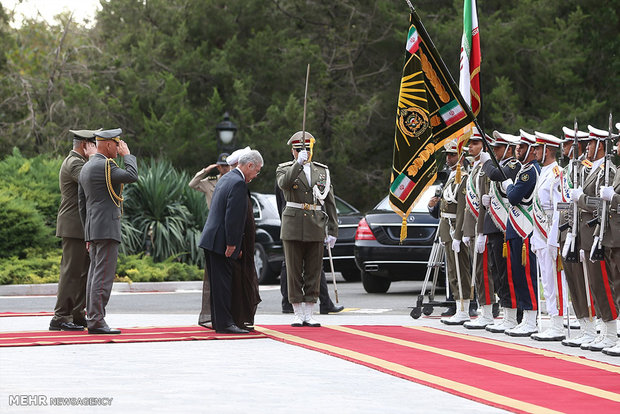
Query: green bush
[[140, 268], [42, 268], [22, 228]]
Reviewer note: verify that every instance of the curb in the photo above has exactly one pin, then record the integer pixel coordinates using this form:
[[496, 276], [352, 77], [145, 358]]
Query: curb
[[45, 289]]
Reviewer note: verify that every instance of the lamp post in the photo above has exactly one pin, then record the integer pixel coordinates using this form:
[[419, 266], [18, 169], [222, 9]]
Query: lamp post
[[226, 133]]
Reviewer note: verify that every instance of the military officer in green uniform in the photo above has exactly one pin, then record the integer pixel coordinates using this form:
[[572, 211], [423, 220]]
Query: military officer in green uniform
[[309, 219], [71, 296]]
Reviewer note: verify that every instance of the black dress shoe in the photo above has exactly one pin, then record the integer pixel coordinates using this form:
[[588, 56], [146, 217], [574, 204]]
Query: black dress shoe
[[65, 326], [104, 331], [80, 322], [232, 329], [333, 309]]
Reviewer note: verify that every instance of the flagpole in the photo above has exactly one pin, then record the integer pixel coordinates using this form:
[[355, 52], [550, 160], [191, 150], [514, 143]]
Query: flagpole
[[449, 78]]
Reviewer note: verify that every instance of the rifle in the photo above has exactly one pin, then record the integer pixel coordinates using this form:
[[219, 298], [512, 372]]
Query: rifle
[[571, 254], [598, 253]]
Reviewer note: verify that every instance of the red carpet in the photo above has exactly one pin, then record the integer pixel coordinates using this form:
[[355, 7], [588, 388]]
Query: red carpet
[[506, 375], [151, 334], [7, 314]]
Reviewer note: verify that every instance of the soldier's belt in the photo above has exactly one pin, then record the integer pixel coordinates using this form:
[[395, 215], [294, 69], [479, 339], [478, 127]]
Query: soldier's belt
[[303, 206], [448, 215]]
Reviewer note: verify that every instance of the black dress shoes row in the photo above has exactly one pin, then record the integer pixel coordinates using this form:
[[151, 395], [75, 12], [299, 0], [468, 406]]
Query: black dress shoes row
[[232, 329], [104, 331], [64, 326], [333, 309]]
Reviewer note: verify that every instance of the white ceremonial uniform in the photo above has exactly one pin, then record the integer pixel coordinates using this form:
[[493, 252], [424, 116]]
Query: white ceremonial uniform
[[545, 237]]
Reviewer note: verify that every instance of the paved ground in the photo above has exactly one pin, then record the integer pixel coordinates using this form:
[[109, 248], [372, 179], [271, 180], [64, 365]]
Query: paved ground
[[260, 375]]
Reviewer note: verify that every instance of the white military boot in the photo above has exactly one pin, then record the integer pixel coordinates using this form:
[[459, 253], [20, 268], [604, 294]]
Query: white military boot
[[483, 320], [308, 310], [527, 326], [509, 321], [298, 320], [554, 333], [587, 333], [461, 316], [608, 337]]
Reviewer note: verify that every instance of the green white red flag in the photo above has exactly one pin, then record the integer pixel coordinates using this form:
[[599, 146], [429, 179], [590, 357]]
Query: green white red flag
[[469, 80]]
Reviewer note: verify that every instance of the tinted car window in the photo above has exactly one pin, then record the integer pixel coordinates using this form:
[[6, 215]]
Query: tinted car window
[[421, 205], [344, 208], [256, 208]]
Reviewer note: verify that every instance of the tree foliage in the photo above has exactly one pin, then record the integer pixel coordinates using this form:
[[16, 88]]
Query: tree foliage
[[166, 70]]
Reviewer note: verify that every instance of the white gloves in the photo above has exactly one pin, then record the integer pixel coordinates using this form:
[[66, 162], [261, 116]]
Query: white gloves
[[481, 242], [456, 246], [329, 240], [486, 200], [506, 183], [302, 157], [607, 193], [466, 240], [567, 244], [575, 193], [484, 157], [553, 252]]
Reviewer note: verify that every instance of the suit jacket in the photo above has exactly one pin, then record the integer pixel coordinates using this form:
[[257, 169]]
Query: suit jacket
[[68, 223], [100, 215], [306, 225], [226, 221]]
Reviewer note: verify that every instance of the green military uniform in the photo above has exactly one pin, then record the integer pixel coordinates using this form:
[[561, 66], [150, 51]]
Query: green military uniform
[[308, 217], [71, 296]]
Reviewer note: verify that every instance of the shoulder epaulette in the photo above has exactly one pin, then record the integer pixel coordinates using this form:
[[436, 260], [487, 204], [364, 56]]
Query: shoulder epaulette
[[556, 171], [212, 177], [586, 163], [286, 164], [320, 165], [512, 164]]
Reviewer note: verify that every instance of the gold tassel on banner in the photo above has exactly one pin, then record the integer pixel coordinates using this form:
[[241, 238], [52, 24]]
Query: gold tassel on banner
[[524, 254], [505, 250], [403, 229], [560, 265]]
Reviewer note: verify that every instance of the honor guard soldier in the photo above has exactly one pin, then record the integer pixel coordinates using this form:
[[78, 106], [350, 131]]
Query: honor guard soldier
[[472, 227], [545, 243], [308, 220], [522, 261], [451, 214], [596, 271], [100, 203], [578, 288], [495, 205], [611, 241], [71, 296], [207, 184]]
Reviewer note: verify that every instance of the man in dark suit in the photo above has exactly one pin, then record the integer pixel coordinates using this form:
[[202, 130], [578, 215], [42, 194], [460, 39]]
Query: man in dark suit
[[223, 234], [71, 296], [99, 199]]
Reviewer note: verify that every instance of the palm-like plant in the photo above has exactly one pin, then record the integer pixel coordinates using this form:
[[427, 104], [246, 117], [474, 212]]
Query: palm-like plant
[[155, 207]]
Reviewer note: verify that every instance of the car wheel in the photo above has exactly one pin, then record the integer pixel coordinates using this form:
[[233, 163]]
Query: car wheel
[[261, 264], [375, 284], [351, 275]]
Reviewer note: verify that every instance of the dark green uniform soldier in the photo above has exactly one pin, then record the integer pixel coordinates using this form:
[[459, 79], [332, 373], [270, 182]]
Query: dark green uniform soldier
[[71, 296], [308, 220]]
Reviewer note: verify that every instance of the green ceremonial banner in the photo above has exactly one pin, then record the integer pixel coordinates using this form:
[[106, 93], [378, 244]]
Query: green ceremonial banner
[[429, 113]]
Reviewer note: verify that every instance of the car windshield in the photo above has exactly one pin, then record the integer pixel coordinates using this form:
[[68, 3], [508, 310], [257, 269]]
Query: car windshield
[[419, 207]]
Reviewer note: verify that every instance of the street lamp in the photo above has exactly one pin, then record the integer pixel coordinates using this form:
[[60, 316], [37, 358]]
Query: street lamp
[[226, 132]]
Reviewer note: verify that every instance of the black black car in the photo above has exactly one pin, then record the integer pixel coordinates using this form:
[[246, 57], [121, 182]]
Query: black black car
[[379, 254], [268, 253]]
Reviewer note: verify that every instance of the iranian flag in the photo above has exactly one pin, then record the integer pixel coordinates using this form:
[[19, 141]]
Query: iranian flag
[[413, 40], [469, 79], [402, 187], [452, 112]]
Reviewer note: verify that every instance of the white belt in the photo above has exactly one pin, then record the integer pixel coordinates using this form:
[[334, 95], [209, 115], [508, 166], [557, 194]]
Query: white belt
[[304, 206], [448, 215]]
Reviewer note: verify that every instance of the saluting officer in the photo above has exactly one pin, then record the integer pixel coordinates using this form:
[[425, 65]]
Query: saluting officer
[[472, 227], [597, 272], [71, 296], [518, 232], [451, 214], [611, 241], [573, 271], [308, 220], [545, 236], [495, 204], [207, 184]]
